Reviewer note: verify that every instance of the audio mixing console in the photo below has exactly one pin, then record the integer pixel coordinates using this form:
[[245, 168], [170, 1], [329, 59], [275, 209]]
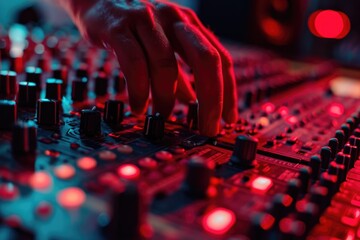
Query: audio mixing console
[[76, 164]]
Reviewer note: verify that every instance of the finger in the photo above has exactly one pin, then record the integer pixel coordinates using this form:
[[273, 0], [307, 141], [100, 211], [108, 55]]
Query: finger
[[230, 94], [134, 66], [184, 91], [202, 56], [162, 65]]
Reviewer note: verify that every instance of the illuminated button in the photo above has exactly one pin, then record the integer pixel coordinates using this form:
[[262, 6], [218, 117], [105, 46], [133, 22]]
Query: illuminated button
[[65, 171], [125, 149], [218, 221], [177, 150], [8, 191], [40, 181], [86, 163], [129, 171], [164, 156], [107, 155], [71, 197], [261, 184], [268, 107], [336, 110], [148, 162], [44, 209]]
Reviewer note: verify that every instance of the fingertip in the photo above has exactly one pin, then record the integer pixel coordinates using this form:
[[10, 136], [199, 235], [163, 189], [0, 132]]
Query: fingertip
[[230, 116]]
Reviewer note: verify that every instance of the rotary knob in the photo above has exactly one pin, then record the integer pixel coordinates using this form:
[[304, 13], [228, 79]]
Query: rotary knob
[[24, 138], [33, 74], [245, 151], [90, 122], [54, 89], [154, 127], [113, 112], [8, 85], [28, 95], [8, 113], [79, 90], [119, 82], [101, 84], [47, 112], [61, 73]]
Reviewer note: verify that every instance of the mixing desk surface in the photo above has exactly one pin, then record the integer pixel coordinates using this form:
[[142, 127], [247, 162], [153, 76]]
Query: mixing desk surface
[[76, 164]]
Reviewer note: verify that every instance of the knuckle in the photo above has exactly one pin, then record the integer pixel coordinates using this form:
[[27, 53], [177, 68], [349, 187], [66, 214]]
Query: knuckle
[[226, 59], [208, 56]]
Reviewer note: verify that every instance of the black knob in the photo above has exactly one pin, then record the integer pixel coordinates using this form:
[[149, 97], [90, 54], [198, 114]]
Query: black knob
[[281, 205], [249, 98], [337, 168], [340, 136], [351, 121], [330, 182], [79, 90], [244, 151], [24, 138], [325, 155], [33, 74], [357, 132], [294, 188], [8, 113], [82, 71], [62, 74], [90, 122], [8, 85], [304, 177], [319, 195], [47, 112], [119, 82], [353, 152], [54, 89], [308, 213], [113, 112], [128, 214], [28, 95], [154, 127], [334, 145], [315, 165], [346, 129], [261, 225], [198, 175], [355, 141], [101, 84], [192, 118]]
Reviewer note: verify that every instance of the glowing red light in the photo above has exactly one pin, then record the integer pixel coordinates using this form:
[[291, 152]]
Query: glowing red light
[[283, 111], [261, 184], [218, 221], [292, 119], [329, 24], [40, 181], [65, 171], [86, 163], [71, 197], [336, 110], [129, 171], [268, 107]]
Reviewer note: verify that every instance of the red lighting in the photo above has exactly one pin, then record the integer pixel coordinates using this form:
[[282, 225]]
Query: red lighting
[[329, 24], [64, 171], [261, 184], [283, 111], [71, 197], [336, 110], [218, 221], [86, 163], [292, 119], [129, 171], [268, 107], [40, 181]]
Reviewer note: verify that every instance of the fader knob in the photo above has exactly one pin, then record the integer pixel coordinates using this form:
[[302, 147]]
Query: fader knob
[[113, 112], [304, 177], [62, 74], [28, 95], [33, 74], [90, 122], [54, 89], [198, 175], [8, 85], [8, 113], [346, 129], [119, 82], [101, 84], [315, 165], [334, 145], [128, 214], [79, 90], [154, 127], [325, 154], [82, 71], [244, 151], [192, 118], [47, 112], [340, 136], [24, 138], [353, 152]]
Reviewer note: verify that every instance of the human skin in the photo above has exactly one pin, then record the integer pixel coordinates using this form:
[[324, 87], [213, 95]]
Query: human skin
[[146, 35]]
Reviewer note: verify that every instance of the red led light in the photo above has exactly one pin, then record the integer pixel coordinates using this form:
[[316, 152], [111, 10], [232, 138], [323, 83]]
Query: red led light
[[292, 119], [218, 221], [329, 24], [268, 107], [336, 110], [283, 111], [65, 171], [71, 197], [86, 163], [261, 184], [129, 171], [40, 181]]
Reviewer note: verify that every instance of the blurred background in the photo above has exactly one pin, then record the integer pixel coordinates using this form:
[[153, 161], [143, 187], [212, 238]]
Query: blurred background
[[293, 28]]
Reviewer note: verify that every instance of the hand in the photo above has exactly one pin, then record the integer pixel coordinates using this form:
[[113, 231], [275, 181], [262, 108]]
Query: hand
[[145, 35]]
